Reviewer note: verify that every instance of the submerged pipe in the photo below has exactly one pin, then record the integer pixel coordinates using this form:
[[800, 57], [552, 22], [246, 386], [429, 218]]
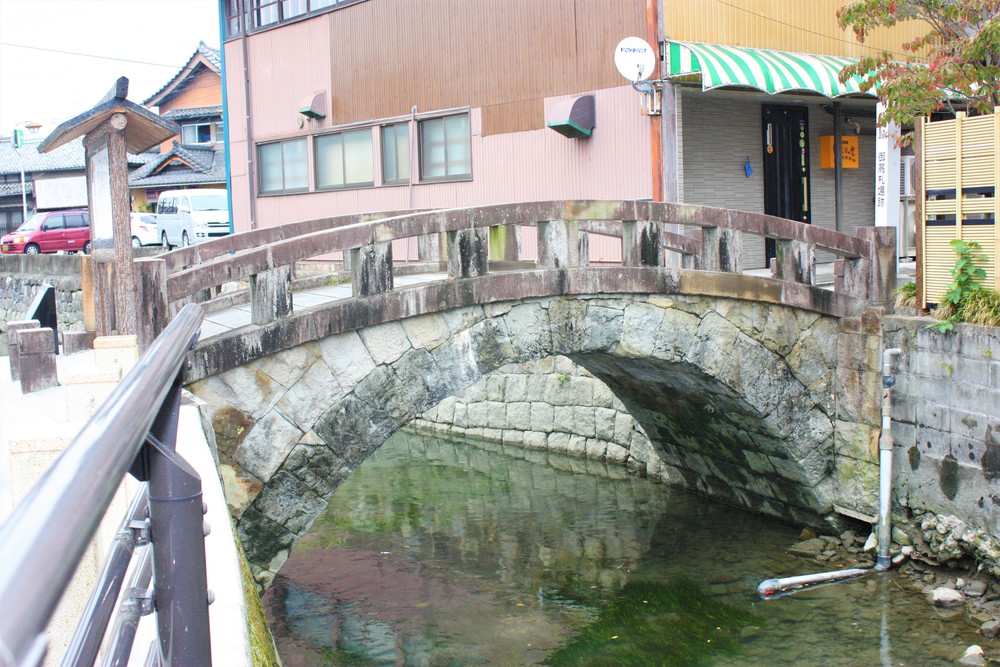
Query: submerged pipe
[[770, 589]]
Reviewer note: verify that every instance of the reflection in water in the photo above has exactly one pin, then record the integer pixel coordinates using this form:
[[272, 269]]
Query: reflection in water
[[437, 553]]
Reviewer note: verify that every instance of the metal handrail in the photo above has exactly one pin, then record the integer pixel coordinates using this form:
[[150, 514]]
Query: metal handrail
[[45, 538]]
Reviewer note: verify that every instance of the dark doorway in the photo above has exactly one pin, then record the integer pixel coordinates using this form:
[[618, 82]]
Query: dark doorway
[[786, 165]]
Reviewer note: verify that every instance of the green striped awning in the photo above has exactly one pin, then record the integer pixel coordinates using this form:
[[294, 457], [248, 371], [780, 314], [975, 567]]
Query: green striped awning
[[770, 71]]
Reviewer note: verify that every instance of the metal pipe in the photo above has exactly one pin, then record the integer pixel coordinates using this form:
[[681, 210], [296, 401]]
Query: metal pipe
[[134, 606], [884, 560], [838, 169], [86, 642], [770, 589]]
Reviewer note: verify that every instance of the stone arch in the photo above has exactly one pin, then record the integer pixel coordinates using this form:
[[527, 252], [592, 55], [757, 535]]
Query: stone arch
[[734, 395]]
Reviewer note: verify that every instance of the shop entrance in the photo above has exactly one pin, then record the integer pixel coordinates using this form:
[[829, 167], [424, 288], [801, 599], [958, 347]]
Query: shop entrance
[[786, 165]]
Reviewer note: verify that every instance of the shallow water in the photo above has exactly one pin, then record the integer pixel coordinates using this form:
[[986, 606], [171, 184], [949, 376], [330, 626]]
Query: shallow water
[[441, 553]]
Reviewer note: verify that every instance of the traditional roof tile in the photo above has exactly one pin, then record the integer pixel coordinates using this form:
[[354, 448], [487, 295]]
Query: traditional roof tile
[[178, 115], [205, 164], [204, 56], [69, 157]]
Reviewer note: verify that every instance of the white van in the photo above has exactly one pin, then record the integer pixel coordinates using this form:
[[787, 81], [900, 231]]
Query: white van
[[184, 217]]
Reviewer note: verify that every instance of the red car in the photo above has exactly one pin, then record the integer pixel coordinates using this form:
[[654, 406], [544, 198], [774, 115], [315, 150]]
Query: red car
[[48, 232]]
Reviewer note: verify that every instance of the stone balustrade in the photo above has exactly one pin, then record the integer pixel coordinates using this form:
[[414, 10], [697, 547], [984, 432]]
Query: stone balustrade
[[264, 258]]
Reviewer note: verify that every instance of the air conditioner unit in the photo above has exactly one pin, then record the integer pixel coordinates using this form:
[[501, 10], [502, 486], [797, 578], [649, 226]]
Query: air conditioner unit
[[907, 186]]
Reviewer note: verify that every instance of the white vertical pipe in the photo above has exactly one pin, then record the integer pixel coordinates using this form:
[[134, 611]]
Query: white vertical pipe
[[884, 559]]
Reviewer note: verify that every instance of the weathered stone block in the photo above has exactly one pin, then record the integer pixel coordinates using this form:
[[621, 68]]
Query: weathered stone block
[[385, 342], [426, 331], [519, 415], [37, 365], [542, 417], [77, 341], [347, 356], [14, 348]]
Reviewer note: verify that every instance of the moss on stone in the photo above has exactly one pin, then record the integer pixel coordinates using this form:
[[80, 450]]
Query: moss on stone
[[262, 650]]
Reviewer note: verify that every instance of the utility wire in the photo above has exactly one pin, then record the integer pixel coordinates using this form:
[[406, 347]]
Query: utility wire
[[86, 55]]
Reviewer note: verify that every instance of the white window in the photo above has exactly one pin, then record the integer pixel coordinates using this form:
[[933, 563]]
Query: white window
[[291, 8], [199, 133], [283, 166], [445, 148], [396, 153], [344, 159]]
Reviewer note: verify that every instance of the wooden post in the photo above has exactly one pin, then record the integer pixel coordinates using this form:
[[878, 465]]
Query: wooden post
[[151, 274], [110, 208]]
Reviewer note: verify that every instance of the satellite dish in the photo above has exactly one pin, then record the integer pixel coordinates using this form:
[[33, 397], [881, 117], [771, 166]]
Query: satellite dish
[[635, 59]]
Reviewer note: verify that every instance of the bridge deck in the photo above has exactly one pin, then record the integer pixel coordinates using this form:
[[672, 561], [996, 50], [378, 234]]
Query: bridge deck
[[235, 317]]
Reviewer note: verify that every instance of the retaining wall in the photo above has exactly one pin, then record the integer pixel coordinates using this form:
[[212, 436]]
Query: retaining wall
[[21, 276], [551, 405], [946, 429]]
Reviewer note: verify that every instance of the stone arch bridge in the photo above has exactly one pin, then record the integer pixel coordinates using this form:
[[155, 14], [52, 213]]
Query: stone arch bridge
[[758, 391]]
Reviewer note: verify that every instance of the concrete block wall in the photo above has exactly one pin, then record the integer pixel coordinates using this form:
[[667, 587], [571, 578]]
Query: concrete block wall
[[946, 431]]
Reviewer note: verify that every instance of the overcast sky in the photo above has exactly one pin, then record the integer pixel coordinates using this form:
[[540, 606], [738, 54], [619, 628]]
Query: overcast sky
[[55, 79]]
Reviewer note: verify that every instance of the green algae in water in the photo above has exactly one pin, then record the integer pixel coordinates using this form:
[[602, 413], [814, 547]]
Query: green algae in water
[[658, 623]]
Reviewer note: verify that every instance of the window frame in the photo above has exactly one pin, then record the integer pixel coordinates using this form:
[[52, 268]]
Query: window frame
[[260, 170], [408, 160], [422, 152], [356, 185], [249, 20]]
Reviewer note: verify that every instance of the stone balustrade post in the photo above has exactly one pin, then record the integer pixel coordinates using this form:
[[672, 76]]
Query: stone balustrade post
[[77, 341], [794, 261], [371, 269], [429, 248], [14, 346], [882, 276], [468, 253], [561, 244], [151, 277], [722, 250], [38, 362], [271, 295], [853, 276], [641, 243]]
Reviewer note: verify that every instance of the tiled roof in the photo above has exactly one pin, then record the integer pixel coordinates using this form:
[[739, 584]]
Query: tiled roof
[[208, 165], [203, 54], [212, 55], [65, 158], [177, 115]]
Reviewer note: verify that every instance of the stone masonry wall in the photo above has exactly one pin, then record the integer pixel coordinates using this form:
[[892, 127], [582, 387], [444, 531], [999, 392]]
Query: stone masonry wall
[[946, 431], [21, 276], [551, 405]]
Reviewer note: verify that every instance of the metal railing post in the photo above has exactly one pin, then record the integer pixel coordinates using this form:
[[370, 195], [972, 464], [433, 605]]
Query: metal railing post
[[180, 580]]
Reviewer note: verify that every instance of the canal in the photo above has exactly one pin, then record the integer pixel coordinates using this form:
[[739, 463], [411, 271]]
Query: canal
[[446, 553]]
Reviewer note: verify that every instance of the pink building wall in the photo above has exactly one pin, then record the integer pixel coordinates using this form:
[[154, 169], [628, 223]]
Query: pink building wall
[[614, 163]]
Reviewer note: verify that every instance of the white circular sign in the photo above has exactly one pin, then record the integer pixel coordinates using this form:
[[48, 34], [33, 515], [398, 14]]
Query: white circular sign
[[635, 59]]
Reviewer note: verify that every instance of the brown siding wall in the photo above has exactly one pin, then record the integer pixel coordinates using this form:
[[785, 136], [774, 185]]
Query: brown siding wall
[[521, 51]]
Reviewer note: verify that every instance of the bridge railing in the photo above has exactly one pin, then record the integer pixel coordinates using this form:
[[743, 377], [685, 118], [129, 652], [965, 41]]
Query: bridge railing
[[649, 232], [42, 542]]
